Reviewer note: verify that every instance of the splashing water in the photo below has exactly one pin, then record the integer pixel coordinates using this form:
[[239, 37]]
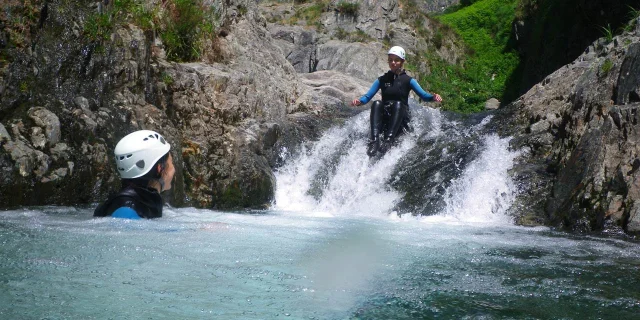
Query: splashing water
[[335, 177], [485, 191]]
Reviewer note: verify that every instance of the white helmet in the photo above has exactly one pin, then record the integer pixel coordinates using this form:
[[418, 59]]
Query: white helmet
[[398, 51], [138, 152]]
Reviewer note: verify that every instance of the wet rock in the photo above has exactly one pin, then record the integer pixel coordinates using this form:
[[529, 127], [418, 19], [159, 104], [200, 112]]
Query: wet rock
[[38, 140], [60, 152], [27, 160], [633, 225], [4, 134], [540, 126], [49, 127], [56, 175]]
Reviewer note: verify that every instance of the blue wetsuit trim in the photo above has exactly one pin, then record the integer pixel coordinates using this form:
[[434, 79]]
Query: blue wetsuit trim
[[372, 92], [125, 213], [415, 86]]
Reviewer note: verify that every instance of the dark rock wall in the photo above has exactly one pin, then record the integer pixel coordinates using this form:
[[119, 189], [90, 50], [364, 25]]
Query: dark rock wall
[[554, 33], [580, 126]]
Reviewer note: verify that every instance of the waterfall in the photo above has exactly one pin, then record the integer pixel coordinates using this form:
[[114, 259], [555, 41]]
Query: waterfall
[[450, 167]]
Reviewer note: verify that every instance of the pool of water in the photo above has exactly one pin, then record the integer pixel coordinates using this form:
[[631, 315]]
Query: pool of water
[[60, 263]]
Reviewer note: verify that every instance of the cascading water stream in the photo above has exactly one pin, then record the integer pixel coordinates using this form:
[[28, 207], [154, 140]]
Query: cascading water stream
[[335, 177]]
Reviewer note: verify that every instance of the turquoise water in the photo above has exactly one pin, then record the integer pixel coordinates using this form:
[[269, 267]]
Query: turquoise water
[[331, 247], [60, 263]]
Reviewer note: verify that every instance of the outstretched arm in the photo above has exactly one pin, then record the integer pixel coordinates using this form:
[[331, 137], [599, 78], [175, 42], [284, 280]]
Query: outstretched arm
[[415, 86], [367, 96]]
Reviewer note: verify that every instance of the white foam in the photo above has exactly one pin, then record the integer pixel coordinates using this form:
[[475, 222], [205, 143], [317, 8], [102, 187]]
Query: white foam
[[357, 186]]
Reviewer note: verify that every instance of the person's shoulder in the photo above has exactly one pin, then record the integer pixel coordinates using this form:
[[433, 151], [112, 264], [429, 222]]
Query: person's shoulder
[[125, 213], [386, 75], [126, 197], [406, 73]]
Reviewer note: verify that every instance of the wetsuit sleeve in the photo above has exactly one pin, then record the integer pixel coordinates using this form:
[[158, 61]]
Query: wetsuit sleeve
[[415, 86], [372, 92], [125, 213]]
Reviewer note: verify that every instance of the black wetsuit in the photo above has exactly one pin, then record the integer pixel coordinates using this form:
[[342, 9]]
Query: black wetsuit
[[392, 113], [146, 202]]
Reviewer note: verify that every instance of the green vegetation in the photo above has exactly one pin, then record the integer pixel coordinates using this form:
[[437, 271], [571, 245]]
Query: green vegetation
[[356, 36], [348, 8], [607, 33], [167, 78], [485, 27], [309, 13], [98, 27], [607, 65], [634, 15], [185, 26], [185, 29], [24, 86], [19, 19]]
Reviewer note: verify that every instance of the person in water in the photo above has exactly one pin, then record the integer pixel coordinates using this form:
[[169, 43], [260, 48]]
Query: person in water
[[392, 112], [146, 169]]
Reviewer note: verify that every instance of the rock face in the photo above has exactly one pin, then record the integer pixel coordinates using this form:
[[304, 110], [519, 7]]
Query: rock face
[[581, 127], [438, 5], [334, 48], [64, 108]]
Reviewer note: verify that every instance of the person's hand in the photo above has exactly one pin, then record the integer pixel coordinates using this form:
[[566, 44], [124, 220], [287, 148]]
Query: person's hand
[[437, 98], [356, 102]]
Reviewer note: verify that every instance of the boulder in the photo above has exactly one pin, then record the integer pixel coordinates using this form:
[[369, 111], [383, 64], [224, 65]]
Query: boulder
[[492, 104]]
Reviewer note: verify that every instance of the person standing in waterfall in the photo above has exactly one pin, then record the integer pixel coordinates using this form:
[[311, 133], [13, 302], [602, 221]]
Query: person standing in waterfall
[[146, 168], [392, 112]]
